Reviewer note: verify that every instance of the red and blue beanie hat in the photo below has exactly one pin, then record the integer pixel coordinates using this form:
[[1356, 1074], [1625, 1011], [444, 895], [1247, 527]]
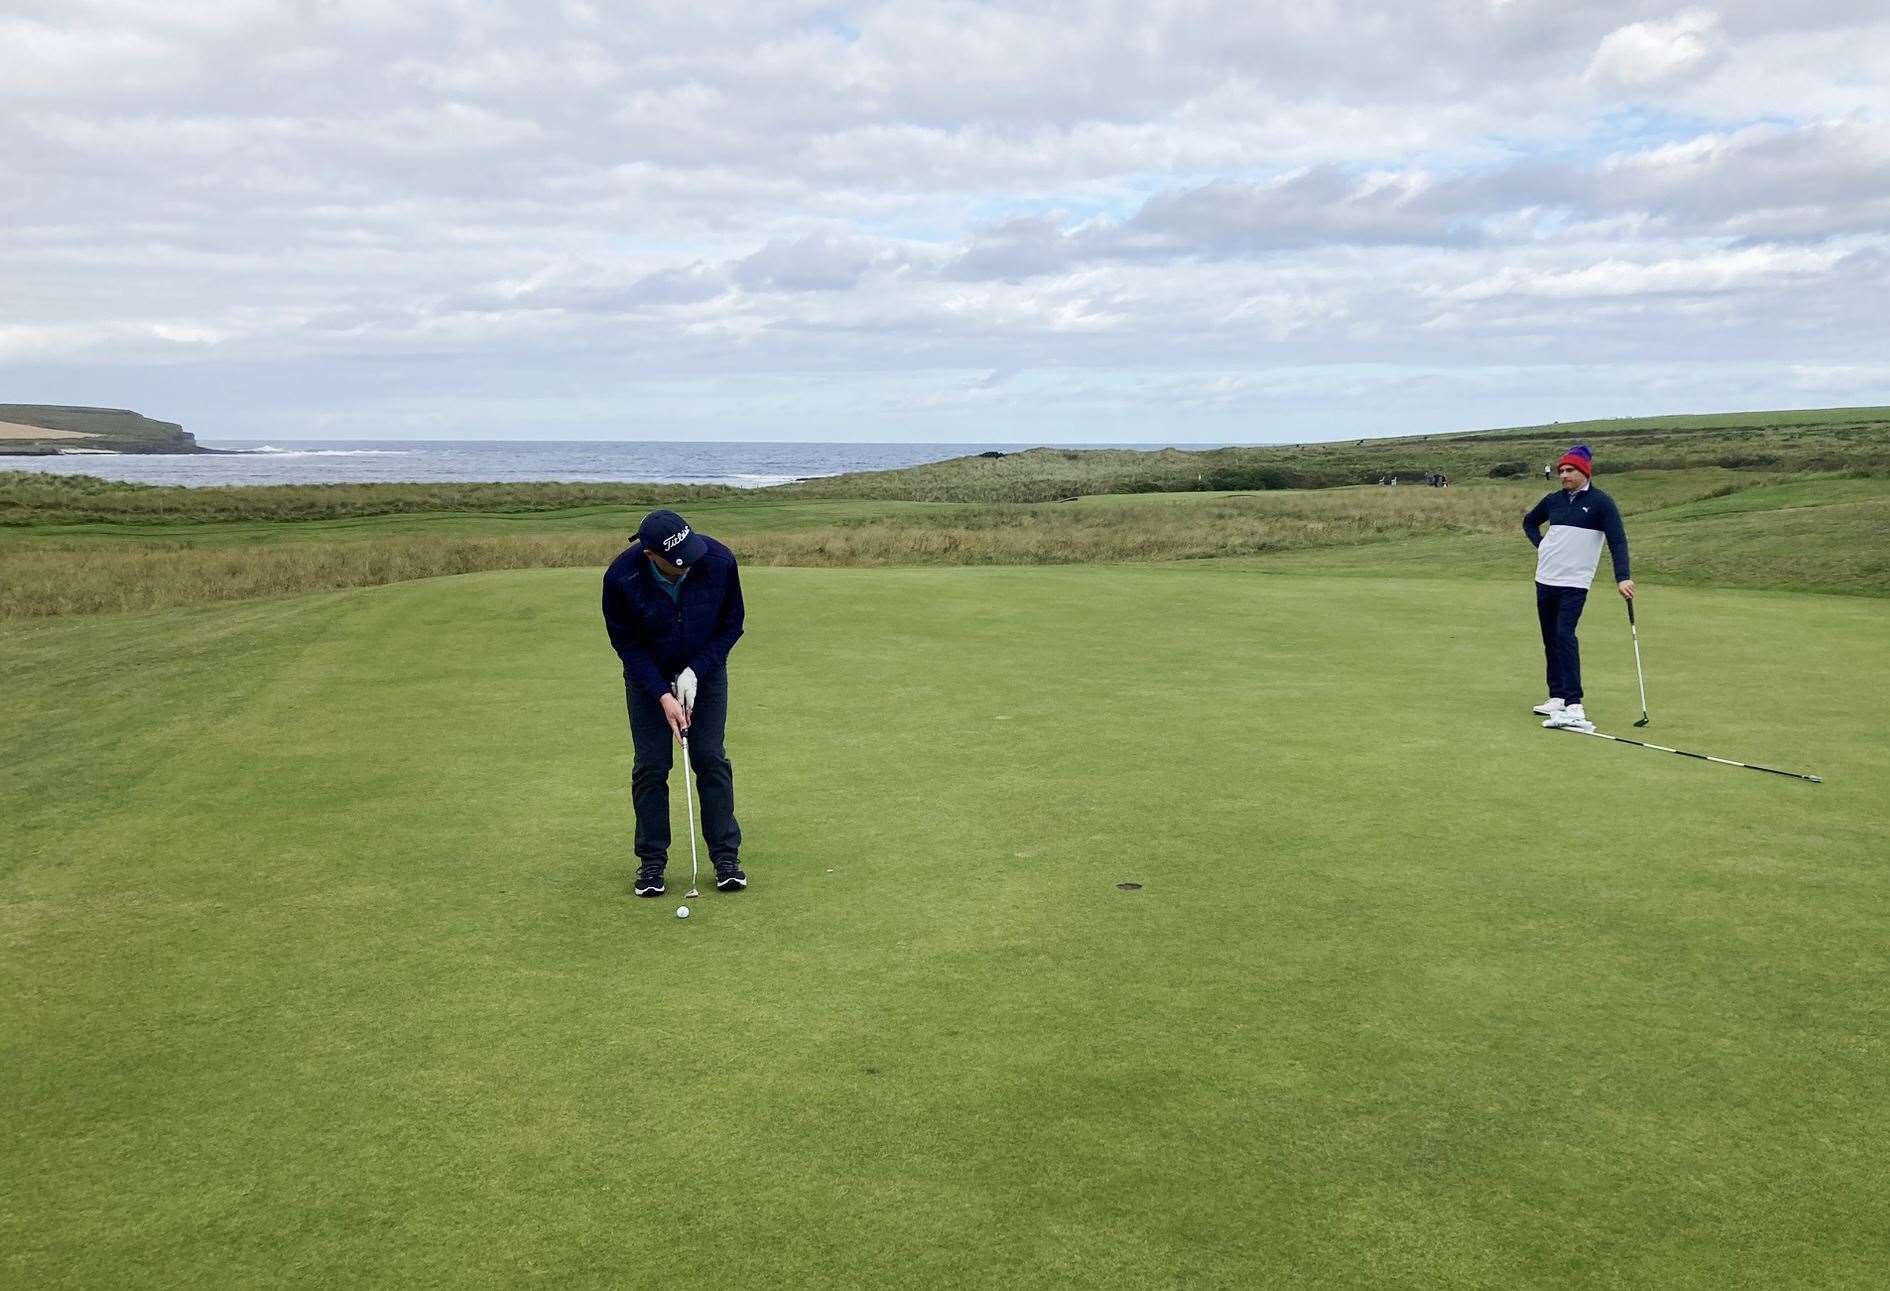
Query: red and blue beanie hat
[[1580, 458]]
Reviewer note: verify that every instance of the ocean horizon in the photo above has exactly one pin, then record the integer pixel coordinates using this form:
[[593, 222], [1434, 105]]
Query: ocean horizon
[[738, 464]]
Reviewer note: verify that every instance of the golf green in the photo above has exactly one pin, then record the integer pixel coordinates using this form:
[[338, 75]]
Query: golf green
[[319, 964]]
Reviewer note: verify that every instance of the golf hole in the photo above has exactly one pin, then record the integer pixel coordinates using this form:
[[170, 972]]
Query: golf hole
[[1128, 887]]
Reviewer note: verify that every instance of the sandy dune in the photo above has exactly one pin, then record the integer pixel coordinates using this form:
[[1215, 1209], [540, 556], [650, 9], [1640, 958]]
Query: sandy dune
[[13, 430]]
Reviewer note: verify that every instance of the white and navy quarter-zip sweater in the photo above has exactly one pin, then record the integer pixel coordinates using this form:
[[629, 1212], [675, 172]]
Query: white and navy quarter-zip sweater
[[1578, 521]]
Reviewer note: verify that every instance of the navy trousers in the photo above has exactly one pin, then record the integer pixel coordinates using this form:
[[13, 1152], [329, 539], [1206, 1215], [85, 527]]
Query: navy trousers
[[715, 777], [1558, 610]]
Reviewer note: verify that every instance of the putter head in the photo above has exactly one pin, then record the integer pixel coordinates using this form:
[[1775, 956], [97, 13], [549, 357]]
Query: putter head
[[1642, 722], [692, 893]]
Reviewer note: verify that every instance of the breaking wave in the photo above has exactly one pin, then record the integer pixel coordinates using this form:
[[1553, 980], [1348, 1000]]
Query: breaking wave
[[273, 451]]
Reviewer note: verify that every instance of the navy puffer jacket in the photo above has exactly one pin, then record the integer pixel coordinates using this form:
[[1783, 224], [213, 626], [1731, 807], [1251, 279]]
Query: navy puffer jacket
[[656, 637]]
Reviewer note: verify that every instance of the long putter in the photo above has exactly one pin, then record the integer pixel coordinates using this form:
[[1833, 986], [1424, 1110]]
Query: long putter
[[1638, 675], [689, 796], [1704, 757]]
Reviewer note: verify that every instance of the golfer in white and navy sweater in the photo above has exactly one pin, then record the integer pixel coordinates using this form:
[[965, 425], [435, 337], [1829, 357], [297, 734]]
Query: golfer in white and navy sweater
[[1579, 516]]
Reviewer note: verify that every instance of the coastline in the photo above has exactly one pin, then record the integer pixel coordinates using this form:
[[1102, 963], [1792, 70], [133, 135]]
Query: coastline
[[43, 449], [49, 430], [738, 465]]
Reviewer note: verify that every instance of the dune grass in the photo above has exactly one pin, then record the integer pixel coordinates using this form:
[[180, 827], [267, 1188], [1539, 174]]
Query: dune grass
[[1825, 535], [33, 498], [1713, 526], [1816, 441], [318, 964], [108, 579]]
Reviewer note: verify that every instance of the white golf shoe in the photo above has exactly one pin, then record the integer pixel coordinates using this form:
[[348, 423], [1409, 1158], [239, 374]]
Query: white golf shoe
[[1548, 708], [1571, 717]]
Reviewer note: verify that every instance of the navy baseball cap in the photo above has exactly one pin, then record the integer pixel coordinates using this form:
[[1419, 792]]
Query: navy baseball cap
[[669, 536]]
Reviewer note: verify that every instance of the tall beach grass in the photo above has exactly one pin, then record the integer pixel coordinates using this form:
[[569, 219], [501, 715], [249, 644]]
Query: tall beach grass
[[32, 498], [1834, 547], [48, 578]]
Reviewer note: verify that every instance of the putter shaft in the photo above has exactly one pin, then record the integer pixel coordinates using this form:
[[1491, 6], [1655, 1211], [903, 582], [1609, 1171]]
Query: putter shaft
[[689, 797], [1704, 757]]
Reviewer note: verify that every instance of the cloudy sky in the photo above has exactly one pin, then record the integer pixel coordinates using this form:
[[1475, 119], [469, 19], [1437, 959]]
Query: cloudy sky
[[1182, 222]]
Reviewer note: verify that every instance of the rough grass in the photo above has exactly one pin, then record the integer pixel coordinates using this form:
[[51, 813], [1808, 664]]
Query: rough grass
[[42, 579], [1821, 440], [32, 498], [40, 582], [1823, 534], [1109, 530]]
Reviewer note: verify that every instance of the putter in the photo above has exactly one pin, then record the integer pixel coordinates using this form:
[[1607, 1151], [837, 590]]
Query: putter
[[1638, 675], [689, 796], [1704, 757]]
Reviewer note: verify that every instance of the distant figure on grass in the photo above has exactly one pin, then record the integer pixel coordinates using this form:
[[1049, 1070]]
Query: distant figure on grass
[[673, 607], [1579, 517]]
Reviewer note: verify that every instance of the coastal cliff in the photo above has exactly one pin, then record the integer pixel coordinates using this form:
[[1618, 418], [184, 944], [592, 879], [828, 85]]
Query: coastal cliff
[[44, 429]]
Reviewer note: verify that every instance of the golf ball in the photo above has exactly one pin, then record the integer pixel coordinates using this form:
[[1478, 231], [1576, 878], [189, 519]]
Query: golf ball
[[682, 912]]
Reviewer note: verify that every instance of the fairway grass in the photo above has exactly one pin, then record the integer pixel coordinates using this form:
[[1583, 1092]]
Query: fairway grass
[[320, 966]]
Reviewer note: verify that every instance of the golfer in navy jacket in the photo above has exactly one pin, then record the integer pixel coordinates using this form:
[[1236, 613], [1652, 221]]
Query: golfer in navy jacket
[[673, 607], [1580, 517]]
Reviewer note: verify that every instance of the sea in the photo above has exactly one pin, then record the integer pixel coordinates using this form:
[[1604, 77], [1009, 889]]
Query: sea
[[742, 465]]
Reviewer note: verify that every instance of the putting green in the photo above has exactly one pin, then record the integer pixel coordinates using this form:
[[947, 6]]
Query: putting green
[[318, 963]]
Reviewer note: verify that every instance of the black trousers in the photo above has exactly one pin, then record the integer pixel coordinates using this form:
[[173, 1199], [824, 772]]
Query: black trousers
[[715, 777], [1558, 610]]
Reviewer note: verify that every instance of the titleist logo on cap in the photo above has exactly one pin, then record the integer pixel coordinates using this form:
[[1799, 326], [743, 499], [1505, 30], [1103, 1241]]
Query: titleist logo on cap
[[676, 539]]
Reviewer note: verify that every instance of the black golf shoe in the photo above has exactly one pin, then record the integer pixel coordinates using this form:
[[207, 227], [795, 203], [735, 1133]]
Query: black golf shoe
[[649, 883], [730, 880]]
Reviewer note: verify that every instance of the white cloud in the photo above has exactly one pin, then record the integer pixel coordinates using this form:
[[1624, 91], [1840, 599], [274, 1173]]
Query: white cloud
[[1316, 206], [1841, 378], [1745, 270], [1809, 181], [29, 342], [578, 65], [828, 260], [570, 196], [47, 61], [1645, 55]]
